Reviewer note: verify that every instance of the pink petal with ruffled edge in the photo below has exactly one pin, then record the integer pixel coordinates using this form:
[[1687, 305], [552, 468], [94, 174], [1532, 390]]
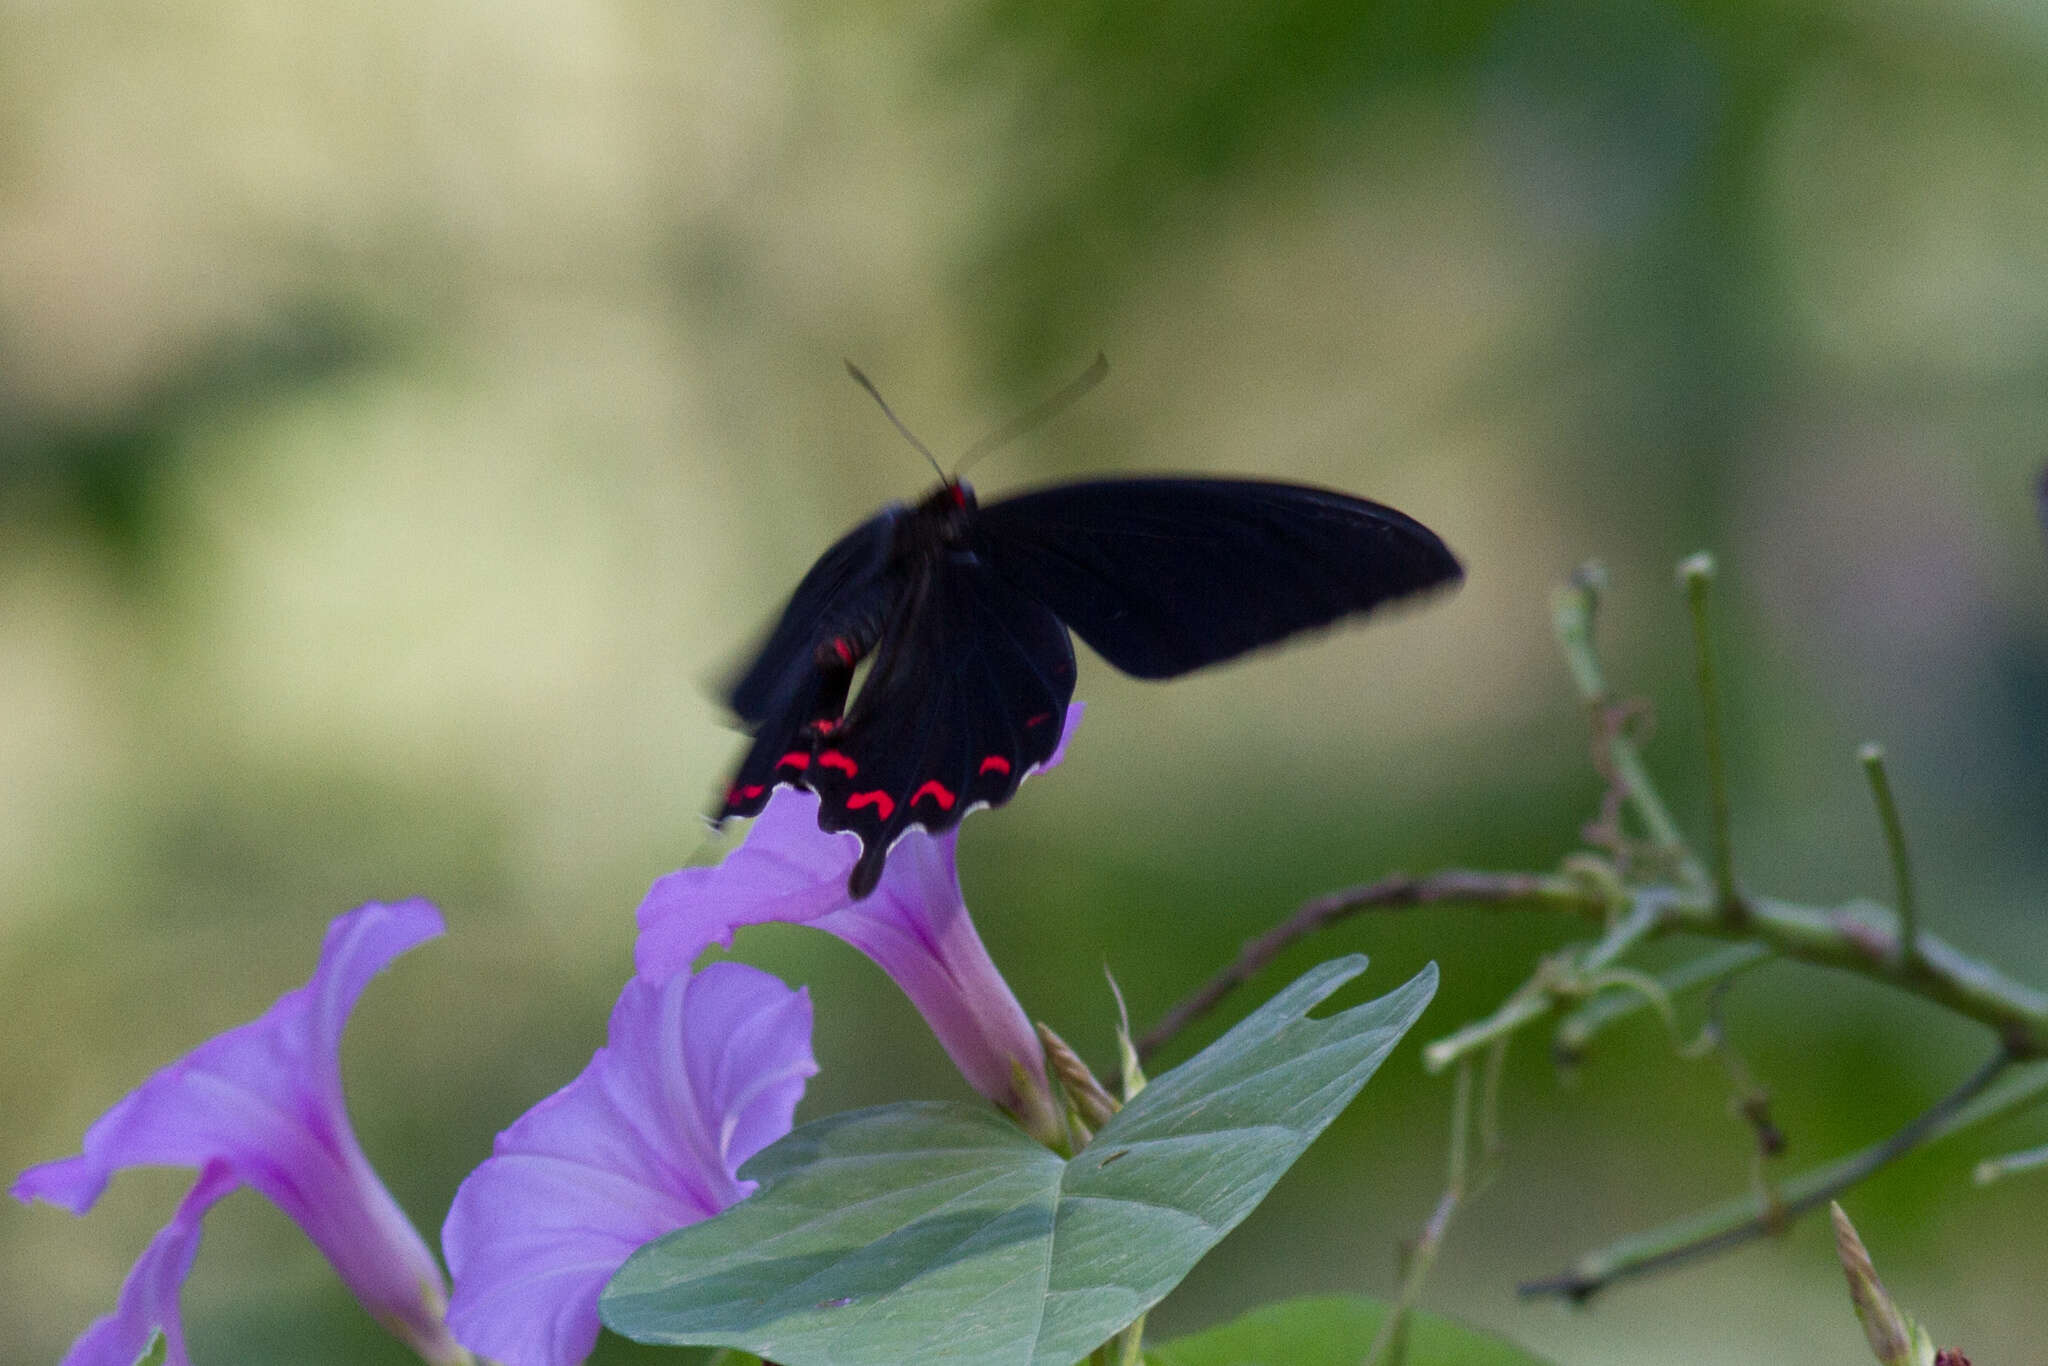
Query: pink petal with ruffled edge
[[699, 1073], [263, 1103], [914, 925], [149, 1297]]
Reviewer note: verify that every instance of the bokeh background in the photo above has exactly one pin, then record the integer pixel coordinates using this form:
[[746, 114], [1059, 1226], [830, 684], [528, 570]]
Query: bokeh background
[[408, 412]]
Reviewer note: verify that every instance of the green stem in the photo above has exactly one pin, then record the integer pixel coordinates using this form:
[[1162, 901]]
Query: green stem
[[2012, 1164], [1530, 1002], [1697, 573], [1387, 1344], [1555, 981], [1575, 1033], [1895, 845], [1841, 938], [1450, 887], [1130, 1344], [1738, 1221], [1572, 608]]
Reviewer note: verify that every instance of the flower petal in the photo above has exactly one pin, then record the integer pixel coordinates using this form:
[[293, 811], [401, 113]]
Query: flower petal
[[149, 1297], [699, 1073], [782, 872], [914, 925], [264, 1102]]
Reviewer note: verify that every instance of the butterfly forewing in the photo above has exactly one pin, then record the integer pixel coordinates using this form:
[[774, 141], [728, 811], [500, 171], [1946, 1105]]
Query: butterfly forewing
[[847, 593], [1164, 575], [798, 681]]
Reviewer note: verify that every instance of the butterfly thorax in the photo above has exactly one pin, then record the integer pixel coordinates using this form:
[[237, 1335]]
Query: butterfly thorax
[[939, 523]]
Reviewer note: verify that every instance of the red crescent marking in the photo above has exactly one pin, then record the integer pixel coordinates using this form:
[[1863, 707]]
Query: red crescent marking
[[1039, 719], [935, 789], [875, 798], [825, 726], [843, 650], [832, 758], [995, 763], [796, 758], [748, 793]]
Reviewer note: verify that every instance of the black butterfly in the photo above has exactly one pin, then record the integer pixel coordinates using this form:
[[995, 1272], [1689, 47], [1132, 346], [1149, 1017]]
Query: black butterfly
[[965, 609]]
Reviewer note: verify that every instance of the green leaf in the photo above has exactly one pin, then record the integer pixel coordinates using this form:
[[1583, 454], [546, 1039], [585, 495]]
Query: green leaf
[[938, 1232], [1334, 1330], [154, 1354]]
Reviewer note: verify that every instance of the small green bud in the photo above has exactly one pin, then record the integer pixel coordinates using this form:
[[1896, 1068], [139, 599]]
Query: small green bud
[[1091, 1101], [1894, 1340]]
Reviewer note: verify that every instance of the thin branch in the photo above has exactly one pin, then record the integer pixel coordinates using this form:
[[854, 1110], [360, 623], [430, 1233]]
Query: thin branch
[[1740, 1221], [1576, 1032], [1572, 608], [1748, 1096], [1556, 980], [1846, 938], [1697, 574], [2012, 1164], [1388, 1343], [1895, 845], [1394, 893]]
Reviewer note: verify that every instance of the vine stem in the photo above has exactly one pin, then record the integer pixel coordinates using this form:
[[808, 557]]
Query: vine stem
[[1578, 1029], [1398, 892], [1743, 1220], [1572, 608], [1998, 1168], [1697, 574], [1555, 981], [1388, 1342], [1872, 756], [1847, 937]]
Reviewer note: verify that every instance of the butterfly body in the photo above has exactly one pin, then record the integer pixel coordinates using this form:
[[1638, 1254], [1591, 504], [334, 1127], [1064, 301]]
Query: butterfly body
[[962, 612]]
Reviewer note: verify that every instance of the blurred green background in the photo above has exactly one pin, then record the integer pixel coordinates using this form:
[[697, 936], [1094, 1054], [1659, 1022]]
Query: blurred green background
[[407, 411]]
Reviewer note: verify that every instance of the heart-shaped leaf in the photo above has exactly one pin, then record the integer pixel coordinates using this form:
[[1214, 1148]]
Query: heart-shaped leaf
[[936, 1232]]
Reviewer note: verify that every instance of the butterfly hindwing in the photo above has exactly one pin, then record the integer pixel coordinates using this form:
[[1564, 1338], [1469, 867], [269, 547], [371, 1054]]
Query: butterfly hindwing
[[968, 693], [784, 743], [1164, 575]]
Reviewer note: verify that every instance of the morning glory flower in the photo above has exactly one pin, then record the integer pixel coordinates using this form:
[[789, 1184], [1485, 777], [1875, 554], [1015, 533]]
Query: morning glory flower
[[261, 1106], [700, 1072], [914, 925]]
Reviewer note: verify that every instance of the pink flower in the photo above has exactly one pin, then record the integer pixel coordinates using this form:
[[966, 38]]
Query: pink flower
[[914, 925], [261, 1106], [701, 1071]]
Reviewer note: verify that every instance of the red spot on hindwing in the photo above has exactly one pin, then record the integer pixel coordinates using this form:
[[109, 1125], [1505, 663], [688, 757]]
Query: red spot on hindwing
[[832, 758], [744, 794], [937, 791], [796, 758], [825, 725], [842, 647], [1038, 720], [995, 763], [885, 804]]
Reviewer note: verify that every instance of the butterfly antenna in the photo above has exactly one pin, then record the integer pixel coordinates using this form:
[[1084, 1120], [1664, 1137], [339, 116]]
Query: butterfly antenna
[[864, 382], [1044, 412]]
